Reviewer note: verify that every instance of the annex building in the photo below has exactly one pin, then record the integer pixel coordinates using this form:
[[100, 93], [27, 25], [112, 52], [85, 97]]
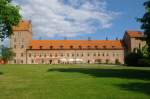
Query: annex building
[[29, 51]]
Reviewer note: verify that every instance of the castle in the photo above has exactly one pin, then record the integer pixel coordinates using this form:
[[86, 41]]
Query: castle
[[28, 51]]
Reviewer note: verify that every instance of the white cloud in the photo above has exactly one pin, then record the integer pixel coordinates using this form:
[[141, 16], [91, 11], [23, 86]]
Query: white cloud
[[67, 18], [6, 42]]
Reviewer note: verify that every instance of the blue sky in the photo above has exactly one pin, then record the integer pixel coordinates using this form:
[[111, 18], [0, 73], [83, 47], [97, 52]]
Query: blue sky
[[80, 19]]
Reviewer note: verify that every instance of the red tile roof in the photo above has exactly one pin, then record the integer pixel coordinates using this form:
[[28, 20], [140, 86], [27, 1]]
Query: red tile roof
[[134, 34], [76, 44], [22, 26]]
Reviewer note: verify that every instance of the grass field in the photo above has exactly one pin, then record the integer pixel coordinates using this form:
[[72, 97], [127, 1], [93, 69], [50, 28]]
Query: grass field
[[73, 82]]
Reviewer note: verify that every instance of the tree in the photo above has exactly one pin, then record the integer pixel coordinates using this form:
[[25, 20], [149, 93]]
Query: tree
[[6, 54], [146, 24], [9, 17]]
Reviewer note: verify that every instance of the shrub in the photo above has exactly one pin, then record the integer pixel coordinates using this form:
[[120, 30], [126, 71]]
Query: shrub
[[144, 62], [132, 59]]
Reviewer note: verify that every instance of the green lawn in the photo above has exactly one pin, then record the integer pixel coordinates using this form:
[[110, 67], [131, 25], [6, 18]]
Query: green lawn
[[73, 82]]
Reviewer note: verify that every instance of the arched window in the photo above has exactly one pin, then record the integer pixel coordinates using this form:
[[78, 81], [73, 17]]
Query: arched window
[[107, 61], [117, 61]]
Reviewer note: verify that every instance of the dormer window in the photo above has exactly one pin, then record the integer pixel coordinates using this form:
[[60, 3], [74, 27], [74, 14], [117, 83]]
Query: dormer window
[[96, 47], [80, 47], [61, 47], [71, 47], [41, 47], [30, 47], [88, 47], [113, 46], [104, 46], [51, 47]]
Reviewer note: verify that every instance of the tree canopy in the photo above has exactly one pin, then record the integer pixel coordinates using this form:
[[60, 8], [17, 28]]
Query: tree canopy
[[6, 54], [145, 20], [9, 16]]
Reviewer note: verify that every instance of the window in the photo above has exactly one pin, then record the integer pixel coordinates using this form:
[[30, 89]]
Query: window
[[42, 61], [68, 54], [113, 54], [98, 61], [107, 54], [50, 55], [21, 61], [99, 54], [107, 61], [32, 61], [22, 46], [29, 54], [72, 55], [88, 54], [56, 55], [62, 55], [21, 54], [94, 54], [14, 46], [15, 61], [117, 61], [103, 54]]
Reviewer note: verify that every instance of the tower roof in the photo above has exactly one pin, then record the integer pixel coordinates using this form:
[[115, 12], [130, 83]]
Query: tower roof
[[23, 25], [134, 34]]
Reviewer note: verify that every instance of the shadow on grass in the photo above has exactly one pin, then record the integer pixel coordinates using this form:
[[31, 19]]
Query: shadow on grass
[[109, 73], [136, 87], [117, 73], [1, 73]]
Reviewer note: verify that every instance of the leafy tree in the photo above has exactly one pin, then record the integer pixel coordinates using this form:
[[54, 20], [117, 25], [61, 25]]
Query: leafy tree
[[146, 24], [133, 58], [6, 54], [9, 16]]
